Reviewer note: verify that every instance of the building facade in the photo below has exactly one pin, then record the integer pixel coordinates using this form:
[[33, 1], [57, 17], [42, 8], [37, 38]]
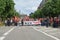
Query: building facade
[[42, 4], [22, 16]]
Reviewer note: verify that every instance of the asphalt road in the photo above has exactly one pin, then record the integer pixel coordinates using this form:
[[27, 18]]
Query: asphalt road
[[22, 33]]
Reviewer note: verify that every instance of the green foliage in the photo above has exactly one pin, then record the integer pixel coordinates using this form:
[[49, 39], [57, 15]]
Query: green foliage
[[7, 9], [32, 15], [51, 9], [37, 14]]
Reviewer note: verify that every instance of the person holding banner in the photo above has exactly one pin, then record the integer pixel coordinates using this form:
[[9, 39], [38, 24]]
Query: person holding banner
[[22, 22]]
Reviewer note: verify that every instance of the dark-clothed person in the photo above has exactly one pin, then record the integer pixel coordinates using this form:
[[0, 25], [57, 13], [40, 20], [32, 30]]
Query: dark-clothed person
[[47, 22], [8, 22], [55, 22], [22, 22]]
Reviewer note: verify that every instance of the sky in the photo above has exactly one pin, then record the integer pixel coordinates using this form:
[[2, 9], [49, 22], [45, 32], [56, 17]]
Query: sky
[[26, 6]]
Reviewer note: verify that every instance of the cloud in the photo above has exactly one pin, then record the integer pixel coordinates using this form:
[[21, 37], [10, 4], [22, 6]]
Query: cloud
[[27, 6]]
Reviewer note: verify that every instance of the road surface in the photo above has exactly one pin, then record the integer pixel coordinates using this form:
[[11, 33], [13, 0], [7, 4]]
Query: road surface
[[22, 33]]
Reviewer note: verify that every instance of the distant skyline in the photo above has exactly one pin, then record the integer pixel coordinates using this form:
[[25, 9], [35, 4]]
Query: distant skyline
[[26, 6]]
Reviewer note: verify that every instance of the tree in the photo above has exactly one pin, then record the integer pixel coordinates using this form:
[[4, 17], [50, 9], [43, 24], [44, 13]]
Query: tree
[[31, 15], [2, 6], [37, 14], [7, 9], [51, 9]]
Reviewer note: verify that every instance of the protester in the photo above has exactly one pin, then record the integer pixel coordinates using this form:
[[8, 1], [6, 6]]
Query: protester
[[22, 22], [8, 22], [55, 22], [15, 21], [59, 22], [11, 22], [51, 21], [47, 21], [5, 22]]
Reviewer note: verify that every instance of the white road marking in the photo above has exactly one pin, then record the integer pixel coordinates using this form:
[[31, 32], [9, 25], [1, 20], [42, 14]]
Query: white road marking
[[2, 38], [47, 34], [8, 31]]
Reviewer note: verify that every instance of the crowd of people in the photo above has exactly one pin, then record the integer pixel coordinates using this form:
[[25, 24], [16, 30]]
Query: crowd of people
[[11, 21], [55, 22]]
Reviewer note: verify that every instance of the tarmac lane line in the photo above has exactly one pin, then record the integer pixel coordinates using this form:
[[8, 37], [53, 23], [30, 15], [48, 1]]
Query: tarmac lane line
[[2, 38], [47, 34], [8, 31]]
